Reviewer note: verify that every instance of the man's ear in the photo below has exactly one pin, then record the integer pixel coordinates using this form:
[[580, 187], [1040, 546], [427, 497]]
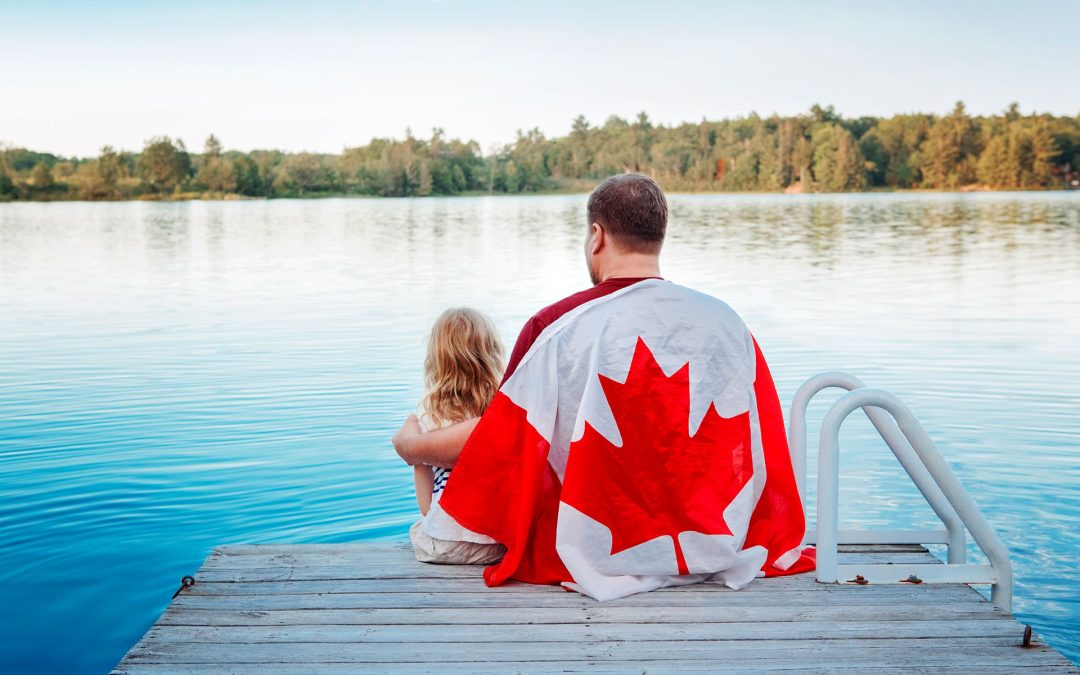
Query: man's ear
[[599, 238]]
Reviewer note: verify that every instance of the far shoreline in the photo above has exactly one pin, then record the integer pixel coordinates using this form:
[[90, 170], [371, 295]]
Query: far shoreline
[[231, 197]]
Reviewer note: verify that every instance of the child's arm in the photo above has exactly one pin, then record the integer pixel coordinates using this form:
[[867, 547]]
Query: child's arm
[[438, 447], [424, 480]]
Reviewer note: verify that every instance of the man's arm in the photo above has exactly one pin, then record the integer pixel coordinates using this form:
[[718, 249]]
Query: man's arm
[[439, 447]]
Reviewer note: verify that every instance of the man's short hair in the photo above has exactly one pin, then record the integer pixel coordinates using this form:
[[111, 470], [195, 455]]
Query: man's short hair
[[632, 209]]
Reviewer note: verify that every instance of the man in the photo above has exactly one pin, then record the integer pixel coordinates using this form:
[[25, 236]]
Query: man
[[636, 440]]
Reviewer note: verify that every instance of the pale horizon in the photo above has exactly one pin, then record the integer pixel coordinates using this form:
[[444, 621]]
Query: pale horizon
[[337, 74]]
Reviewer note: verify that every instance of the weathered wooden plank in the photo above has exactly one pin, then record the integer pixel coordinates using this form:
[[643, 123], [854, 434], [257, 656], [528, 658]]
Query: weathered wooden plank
[[553, 668], [837, 596], [304, 571], [472, 585], [584, 631], [954, 652], [400, 563], [375, 549], [204, 587], [313, 610]]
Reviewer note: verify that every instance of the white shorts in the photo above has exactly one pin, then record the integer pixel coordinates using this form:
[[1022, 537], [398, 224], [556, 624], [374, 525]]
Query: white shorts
[[428, 549]]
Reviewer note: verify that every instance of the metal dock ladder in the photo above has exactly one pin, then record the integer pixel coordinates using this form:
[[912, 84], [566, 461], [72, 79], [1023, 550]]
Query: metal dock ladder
[[927, 468]]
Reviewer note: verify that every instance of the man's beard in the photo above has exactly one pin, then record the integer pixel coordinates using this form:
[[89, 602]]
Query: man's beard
[[593, 276]]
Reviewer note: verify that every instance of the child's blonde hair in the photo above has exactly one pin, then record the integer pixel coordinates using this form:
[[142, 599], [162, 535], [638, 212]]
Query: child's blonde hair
[[463, 367]]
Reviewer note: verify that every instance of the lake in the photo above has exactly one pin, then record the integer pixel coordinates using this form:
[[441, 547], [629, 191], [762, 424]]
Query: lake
[[175, 376]]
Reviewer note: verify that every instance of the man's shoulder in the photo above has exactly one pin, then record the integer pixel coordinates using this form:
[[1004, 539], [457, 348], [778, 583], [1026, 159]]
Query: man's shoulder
[[552, 312], [707, 305], [683, 309], [670, 306], [694, 295], [549, 314]]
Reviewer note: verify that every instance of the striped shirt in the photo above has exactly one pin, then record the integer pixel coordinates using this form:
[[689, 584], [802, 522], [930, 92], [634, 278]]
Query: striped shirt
[[441, 475]]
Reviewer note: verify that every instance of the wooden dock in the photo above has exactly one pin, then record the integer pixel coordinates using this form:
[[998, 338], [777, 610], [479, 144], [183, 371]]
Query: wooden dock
[[373, 608]]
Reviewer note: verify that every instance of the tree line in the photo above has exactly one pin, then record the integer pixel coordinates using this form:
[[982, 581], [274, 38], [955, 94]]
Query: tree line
[[819, 151]]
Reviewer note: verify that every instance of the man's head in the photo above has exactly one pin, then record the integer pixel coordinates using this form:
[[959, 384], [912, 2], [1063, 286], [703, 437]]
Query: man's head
[[627, 222]]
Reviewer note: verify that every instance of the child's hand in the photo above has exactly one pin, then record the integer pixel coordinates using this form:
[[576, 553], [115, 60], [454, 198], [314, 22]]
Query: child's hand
[[404, 438]]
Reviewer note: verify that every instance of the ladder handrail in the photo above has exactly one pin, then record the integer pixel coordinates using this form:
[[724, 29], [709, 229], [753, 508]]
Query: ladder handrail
[[933, 461], [893, 437]]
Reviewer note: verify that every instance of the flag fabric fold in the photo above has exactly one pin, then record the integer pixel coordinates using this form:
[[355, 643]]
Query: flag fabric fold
[[638, 444]]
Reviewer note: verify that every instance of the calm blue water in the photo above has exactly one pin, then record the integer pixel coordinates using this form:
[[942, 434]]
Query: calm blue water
[[182, 375]]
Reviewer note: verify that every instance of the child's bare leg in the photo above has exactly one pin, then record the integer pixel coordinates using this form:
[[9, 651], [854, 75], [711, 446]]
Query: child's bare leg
[[424, 480]]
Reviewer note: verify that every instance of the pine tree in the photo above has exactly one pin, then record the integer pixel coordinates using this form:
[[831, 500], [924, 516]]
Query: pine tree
[[1044, 150], [838, 164], [423, 188], [950, 149], [993, 167]]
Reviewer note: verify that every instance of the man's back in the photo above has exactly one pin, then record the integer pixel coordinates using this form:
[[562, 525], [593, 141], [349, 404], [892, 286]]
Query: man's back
[[630, 450]]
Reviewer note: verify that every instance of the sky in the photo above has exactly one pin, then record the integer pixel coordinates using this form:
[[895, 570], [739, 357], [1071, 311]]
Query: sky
[[324, 75]]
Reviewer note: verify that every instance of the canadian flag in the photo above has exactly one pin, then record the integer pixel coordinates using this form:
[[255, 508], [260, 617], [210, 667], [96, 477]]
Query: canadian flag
[[639, 444]]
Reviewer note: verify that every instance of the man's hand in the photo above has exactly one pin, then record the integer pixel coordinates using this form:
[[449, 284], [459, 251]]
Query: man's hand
[[405, 439], [438, 447]]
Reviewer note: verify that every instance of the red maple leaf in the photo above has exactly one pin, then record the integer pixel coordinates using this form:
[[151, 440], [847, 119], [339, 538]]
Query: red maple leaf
[[661, 481]]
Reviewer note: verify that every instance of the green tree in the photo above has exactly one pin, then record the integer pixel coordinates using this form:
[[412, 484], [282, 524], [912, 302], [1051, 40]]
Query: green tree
[[526, 168], [63, 171], [100, 178], [1045, 151], [951, 150], [424, 182], [91, 185], [42, 177], [1021, 157], [580, 159], [838, 164], [893, 147], [7, 186], [460, 181], [993, 166], [802, 157], [824, 115], [217, 173], [111, 168], [877, 159], [303, 173], [212, 146], [249, 179], [163, 164]]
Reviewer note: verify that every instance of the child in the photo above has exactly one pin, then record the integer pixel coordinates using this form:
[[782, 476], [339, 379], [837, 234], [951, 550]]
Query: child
[[462, 370]]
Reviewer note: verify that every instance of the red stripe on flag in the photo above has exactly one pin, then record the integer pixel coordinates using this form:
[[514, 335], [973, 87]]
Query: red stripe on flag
[[778, 522], [509, 493]]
